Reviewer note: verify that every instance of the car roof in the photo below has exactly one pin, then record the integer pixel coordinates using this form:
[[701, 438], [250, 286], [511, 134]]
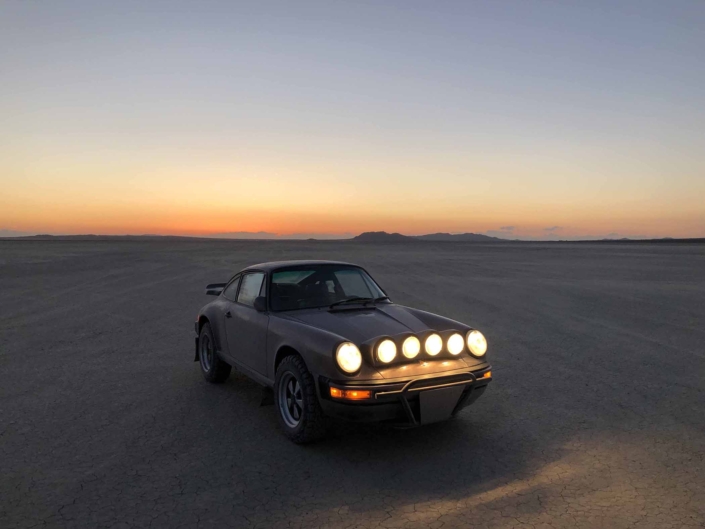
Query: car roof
[[275, 265]]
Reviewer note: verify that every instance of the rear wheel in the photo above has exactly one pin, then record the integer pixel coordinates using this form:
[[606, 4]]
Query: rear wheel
[[213, 368], [298, 410]]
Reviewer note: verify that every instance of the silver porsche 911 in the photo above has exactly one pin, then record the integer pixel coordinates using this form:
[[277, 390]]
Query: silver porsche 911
[[330, 343]]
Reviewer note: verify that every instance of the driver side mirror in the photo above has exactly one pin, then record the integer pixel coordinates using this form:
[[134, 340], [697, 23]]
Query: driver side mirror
[[260, 304]]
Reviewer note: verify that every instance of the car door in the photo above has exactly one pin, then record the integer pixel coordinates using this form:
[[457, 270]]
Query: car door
[[246, 327]]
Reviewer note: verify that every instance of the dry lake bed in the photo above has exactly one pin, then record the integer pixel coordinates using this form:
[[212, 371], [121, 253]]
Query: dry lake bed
[[595, 418]]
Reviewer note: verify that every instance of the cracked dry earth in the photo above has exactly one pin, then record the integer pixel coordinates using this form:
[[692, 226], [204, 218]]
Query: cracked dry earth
[[596, 417]]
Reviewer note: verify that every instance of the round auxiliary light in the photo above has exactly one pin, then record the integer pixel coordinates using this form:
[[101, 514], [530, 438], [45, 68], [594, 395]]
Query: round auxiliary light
[[434, 344], [477, 343], [348, 357], [386, 351], [411, 347], [456, 344]]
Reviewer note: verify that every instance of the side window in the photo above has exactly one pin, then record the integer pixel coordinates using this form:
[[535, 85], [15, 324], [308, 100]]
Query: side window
[[251, 286], [353, 284], [231, 290]]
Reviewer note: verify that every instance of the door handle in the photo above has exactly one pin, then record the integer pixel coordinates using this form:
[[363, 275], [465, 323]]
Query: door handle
[[228, 314]]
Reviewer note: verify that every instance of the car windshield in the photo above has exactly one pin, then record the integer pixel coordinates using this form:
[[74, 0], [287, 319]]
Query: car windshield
[[314, 286]]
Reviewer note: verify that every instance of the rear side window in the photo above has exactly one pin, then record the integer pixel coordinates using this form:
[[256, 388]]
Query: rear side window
[[231, 290], [251, 286]]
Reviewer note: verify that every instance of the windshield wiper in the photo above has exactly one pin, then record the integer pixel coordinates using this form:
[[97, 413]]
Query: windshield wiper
[[358, 299], [354, 299]]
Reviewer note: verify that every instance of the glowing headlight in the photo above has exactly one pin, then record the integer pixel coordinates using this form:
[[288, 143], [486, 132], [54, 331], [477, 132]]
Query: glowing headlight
[[411, 347], [434, 344], [348, 357], [386, 351], [477, 343], [456, 344]]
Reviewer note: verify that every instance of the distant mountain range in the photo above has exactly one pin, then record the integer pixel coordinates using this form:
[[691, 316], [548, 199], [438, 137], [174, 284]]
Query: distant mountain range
[[383, 236]]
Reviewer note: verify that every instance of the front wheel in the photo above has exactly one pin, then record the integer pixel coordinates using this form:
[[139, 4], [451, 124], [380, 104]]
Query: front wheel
[[298, 410], [213, 368]]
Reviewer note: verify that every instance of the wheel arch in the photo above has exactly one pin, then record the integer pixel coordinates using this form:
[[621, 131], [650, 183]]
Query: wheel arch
[[202, 320], [282, 353]]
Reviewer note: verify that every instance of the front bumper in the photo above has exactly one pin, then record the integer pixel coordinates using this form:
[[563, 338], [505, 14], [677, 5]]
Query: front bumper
[[410, 402]]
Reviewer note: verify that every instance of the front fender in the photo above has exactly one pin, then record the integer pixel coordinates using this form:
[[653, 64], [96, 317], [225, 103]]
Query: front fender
[[436, 322], [316, 346]]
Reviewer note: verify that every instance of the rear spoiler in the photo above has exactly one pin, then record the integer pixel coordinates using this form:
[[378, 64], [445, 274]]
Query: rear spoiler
[[215, 289]]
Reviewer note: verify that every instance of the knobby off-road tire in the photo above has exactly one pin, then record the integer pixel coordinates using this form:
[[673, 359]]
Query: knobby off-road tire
[[213, 368], [298, 410]]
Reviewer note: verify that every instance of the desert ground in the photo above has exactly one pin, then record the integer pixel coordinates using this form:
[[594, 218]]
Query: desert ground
[[595, 418]]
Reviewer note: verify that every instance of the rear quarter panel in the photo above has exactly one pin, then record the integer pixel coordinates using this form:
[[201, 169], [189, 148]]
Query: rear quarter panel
[[214, 313]]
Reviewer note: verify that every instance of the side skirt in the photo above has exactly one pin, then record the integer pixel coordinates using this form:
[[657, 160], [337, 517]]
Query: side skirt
[[247, 371]]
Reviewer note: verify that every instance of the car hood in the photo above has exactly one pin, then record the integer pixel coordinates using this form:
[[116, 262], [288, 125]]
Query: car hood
[[359, 325]]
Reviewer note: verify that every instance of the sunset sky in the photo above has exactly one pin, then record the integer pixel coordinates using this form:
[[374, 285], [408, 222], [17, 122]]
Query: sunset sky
[[520, 119]]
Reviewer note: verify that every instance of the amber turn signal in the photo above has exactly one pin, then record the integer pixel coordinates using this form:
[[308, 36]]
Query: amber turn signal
[[486, 374], [349, 394]]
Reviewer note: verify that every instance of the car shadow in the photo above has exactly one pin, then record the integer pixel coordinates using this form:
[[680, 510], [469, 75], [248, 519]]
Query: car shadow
[[360, 465]]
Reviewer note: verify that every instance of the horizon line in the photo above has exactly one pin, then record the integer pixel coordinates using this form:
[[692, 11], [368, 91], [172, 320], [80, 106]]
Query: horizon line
[[251, 236]]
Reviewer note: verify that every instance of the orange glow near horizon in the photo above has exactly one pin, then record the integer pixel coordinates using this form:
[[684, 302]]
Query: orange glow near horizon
[[151, 217], [64, 196]]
